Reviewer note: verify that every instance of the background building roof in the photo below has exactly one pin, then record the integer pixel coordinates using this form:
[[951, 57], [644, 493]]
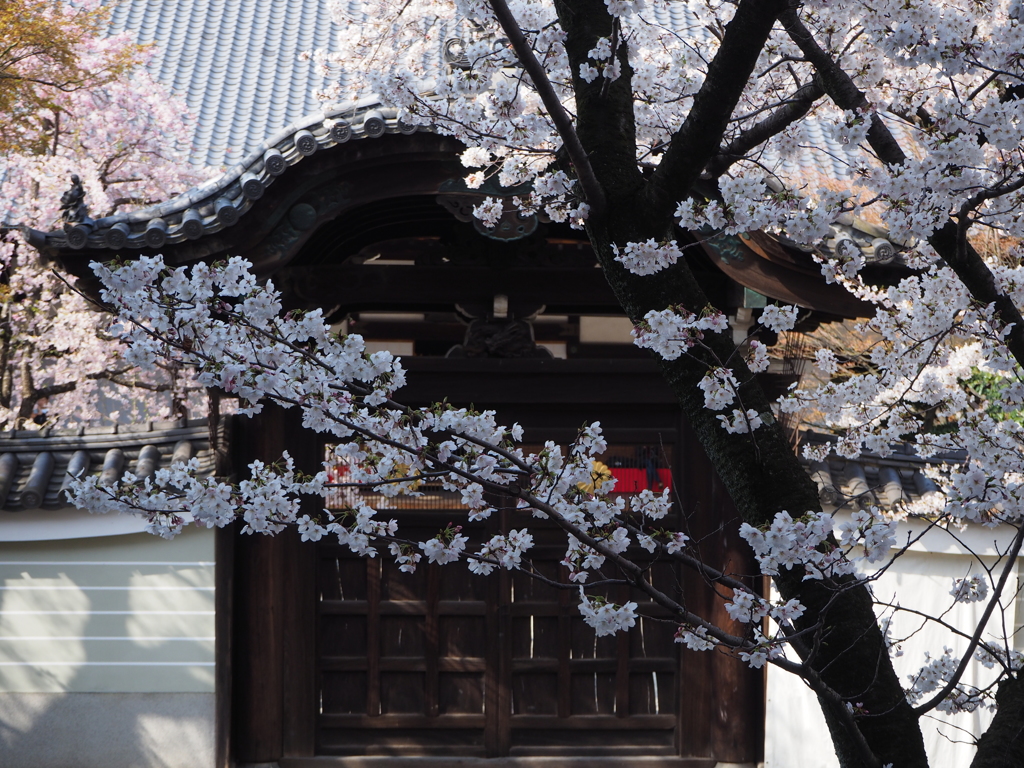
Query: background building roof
[[895, 483], [34, 465], [236, 63]]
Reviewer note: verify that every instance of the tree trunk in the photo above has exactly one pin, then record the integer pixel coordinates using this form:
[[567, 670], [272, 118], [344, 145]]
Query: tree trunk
[[1002, 746], [764, 477], [760, 469]]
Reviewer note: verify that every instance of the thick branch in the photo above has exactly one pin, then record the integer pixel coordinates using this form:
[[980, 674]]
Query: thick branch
[[135, 383], [798, 105], [841, 88], [52, 390], [604, 108], [948, 241], [563, 123], [6, 378], [698, 139]]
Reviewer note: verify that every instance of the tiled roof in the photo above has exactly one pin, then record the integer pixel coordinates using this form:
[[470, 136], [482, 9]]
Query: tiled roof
[[236, 63], [219, 202], [34, 465], [895, 483]]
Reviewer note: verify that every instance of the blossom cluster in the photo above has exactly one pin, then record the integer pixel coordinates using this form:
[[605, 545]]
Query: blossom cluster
[[804, 542], [607, 618], [671, 332], [504, 551], [719, 388], [936, 672], [174, 496], [973, 589], [649, 257], [763, 651], [696, 638]]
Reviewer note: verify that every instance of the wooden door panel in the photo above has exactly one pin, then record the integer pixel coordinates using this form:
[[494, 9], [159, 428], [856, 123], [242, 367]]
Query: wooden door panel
[[500, 666], [460, 693], [343, 693], [428, 674], [402, 693]]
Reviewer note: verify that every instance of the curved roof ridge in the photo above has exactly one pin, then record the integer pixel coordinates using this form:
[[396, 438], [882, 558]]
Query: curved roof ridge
[[165, 222], [219, 64]]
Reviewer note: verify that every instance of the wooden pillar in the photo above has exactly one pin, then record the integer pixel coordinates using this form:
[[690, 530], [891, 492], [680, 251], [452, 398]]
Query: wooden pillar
[[224, 549], [273, 613], [722, 704]]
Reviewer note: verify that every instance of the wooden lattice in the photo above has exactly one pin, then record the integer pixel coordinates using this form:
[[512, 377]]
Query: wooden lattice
[[445, 662]]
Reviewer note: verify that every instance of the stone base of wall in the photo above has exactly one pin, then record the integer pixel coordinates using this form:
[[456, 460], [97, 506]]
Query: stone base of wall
[[107, 730]]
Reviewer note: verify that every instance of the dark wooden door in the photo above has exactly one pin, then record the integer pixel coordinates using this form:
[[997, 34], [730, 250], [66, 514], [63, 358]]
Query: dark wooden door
[[445, 662]]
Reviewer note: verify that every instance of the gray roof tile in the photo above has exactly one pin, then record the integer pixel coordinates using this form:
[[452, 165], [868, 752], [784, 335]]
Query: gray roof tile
[[245, 102], [237, 64], [228, 57], [51, 452], [893, 483]]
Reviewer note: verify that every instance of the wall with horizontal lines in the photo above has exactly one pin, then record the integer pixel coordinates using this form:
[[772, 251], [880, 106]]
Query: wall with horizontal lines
[[107, 651]]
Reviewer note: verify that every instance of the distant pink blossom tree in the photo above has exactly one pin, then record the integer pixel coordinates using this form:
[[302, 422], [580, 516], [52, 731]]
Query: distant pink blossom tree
[[127, 140]]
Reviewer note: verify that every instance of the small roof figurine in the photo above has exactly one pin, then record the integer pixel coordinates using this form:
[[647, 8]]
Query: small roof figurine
[[72, 203]]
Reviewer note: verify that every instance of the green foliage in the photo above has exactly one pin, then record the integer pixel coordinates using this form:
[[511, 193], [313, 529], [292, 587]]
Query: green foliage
[[986, 387]]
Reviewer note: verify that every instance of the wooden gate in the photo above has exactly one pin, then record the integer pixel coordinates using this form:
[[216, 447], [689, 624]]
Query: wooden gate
[[322, 653]]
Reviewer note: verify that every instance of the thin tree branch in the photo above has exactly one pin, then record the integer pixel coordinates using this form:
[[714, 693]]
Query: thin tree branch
[[698, 139], [960, 255], [798, 105], [1011, 561]]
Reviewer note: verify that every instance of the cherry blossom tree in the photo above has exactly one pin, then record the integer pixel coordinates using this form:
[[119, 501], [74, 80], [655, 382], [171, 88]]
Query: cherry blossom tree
[[633, 128], [44, 51], [124, 137]]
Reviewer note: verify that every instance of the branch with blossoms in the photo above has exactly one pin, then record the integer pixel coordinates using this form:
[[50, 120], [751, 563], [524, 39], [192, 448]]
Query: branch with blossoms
[[220, 322], [676, 330], [591, 187], [916, 352], [946, 235], [230, 329]]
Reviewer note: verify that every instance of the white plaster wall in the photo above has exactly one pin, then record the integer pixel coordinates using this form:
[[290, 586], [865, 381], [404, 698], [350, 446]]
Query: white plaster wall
[[107, 730], [107, 652], [795, 730]]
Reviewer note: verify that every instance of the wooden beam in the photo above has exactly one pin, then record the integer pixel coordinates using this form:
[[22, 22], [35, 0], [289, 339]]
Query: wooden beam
[[355, 287], [496, 382], [298, 615], [721, 713], [273, 659], [257, 704]]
